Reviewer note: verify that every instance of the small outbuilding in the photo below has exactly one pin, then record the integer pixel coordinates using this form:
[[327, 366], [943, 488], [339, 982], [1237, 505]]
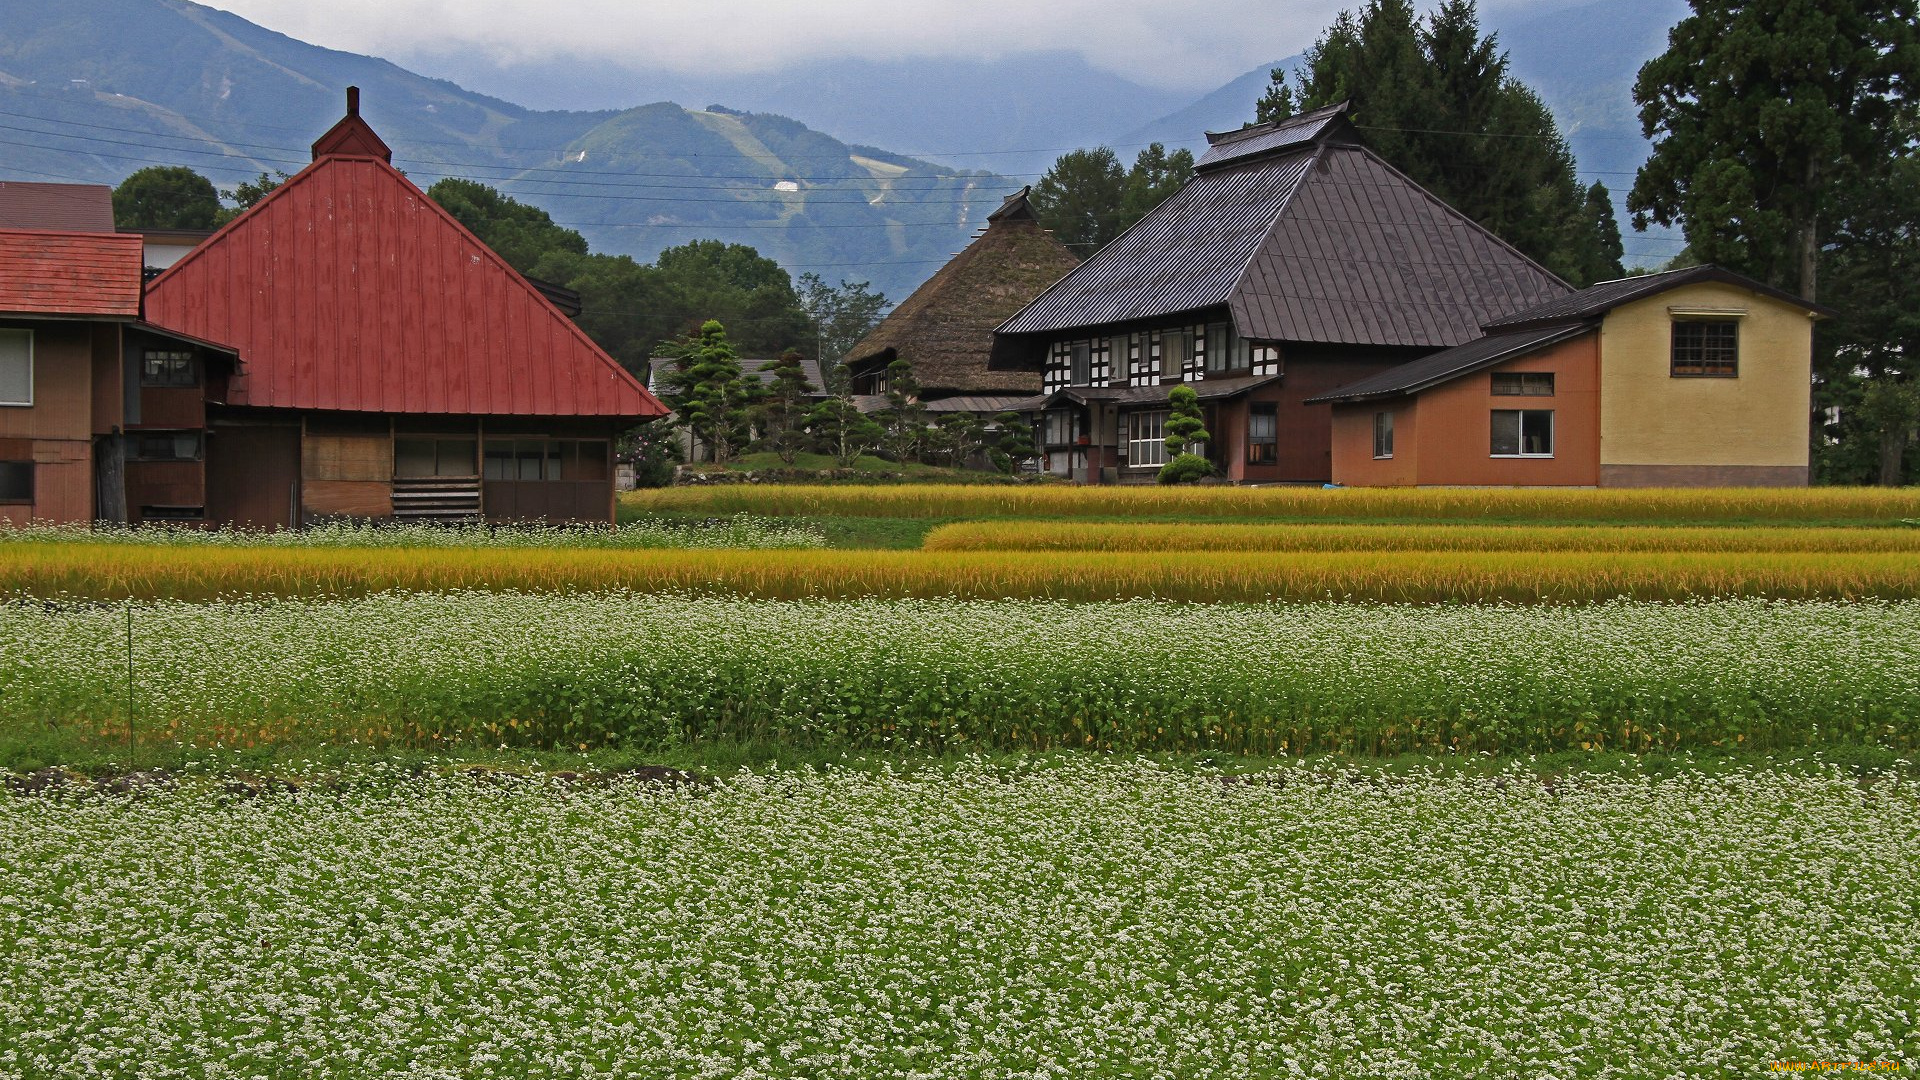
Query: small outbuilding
[[1695, 377]]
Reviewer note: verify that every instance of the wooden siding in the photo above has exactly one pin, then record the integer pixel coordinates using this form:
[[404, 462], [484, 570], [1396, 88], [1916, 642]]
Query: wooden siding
[[252, 474]]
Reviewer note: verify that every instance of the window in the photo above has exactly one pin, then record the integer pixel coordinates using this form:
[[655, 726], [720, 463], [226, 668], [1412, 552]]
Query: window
[[16, 482], [1059, 366], [426, 456], [1100, 364], [546, 459], [1707, 348], [1523, 384], [1058, 427], [1263, 435], [164, 445], [1147, 438], [1176, 354], [168, 367], [1523, 433], [16, 367], [1081, 368], [1143, 360], [1265, 360], [1383, 435], [1220, 358]]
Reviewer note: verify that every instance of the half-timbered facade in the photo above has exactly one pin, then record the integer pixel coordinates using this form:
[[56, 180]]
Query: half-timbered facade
[[1293, 262]]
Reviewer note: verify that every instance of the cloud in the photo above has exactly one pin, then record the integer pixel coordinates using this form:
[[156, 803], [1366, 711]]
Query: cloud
[[1169, 43]]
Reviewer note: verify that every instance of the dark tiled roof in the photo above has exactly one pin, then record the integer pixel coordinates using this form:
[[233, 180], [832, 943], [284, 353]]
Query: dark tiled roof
[[978, 404], [1226, 147], [1449, 364], [1189, 253], [756, 367], [63, 207], [1326, 244], [1599, 299]]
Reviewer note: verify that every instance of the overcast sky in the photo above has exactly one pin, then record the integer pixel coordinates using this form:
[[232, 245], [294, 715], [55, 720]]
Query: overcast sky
[[1177, 44]]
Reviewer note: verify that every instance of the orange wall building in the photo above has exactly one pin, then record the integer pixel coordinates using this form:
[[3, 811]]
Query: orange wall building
[[1696, 377]]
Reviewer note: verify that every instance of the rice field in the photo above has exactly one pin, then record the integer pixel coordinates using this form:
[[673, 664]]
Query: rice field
[[1694, 505], [1079, 919], [114, 572], [655, 672], [1081, 536]]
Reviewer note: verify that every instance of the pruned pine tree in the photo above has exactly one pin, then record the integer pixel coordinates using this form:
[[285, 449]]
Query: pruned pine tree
[[781, 415], [1012, 444], [905, 418], [839, 428], [713, 400], [1186, 428]]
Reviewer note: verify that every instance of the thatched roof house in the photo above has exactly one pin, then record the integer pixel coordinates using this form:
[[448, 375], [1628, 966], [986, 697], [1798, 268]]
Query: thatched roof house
[[945, 329]]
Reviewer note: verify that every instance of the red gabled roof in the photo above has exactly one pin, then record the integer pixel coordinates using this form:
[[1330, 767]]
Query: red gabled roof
[[69, 273], [349, 289]]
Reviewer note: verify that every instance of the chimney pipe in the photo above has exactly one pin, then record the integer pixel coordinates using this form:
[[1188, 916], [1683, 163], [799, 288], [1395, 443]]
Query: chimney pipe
[[353, 101]]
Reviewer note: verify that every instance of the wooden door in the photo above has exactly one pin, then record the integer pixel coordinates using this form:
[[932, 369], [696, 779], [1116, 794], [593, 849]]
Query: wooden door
[[253, 476]]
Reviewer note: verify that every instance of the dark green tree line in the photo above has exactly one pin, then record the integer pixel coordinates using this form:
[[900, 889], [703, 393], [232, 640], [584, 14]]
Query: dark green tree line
[[1435, 98]]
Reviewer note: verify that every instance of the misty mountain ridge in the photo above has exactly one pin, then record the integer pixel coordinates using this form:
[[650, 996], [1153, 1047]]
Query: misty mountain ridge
[[94, 89]]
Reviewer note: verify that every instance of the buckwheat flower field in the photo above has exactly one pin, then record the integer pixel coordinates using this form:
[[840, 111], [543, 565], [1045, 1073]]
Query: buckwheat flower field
[[1071, 918], [646, 671]]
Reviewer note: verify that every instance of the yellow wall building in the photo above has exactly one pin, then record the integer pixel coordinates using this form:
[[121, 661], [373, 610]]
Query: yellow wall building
[[1704, 378]]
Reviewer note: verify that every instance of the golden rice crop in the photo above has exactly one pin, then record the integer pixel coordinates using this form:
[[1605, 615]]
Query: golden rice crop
[[1065, 536], [1486, 504], [118, 571]]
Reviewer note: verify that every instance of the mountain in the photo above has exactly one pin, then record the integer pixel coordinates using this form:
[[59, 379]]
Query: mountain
[[91, 90], [1011, 115]]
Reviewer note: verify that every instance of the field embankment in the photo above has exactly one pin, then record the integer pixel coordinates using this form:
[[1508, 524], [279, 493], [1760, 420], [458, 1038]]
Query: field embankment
[[1823, 506], [115, 572], [593, 671], [1085, 536]]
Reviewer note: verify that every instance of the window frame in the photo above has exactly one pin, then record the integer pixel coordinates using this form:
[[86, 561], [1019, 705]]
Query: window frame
[[1136, 421], [1518, 386], [137, 438], [28, 338], [1383, 435], [185, 357], [1263, 450], [1520, 434], [32, 478], [1701, 361]]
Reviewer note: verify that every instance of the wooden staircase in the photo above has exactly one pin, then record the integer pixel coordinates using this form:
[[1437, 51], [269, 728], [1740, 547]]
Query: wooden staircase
[[448, 499]]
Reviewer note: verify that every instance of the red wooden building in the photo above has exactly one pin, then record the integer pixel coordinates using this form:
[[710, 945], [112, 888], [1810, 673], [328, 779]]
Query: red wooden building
[[390, 364], [88, 413]]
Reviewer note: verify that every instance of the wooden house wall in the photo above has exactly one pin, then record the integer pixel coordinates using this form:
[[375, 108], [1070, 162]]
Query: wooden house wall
[[55, 433]]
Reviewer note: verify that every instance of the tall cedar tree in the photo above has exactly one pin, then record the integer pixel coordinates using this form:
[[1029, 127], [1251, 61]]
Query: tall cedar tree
[[1871, 366], [841, 317], [1435, 99], [782, 414], [712, 399], [1762, 112], [1087, 199]]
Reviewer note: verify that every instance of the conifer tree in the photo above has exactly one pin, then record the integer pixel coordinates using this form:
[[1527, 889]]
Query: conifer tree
[[711, 397], [782, 413], [1185, 428]]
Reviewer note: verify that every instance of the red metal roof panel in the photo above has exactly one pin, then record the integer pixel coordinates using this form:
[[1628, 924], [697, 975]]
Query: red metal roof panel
[[349, 289], [69, 273]]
